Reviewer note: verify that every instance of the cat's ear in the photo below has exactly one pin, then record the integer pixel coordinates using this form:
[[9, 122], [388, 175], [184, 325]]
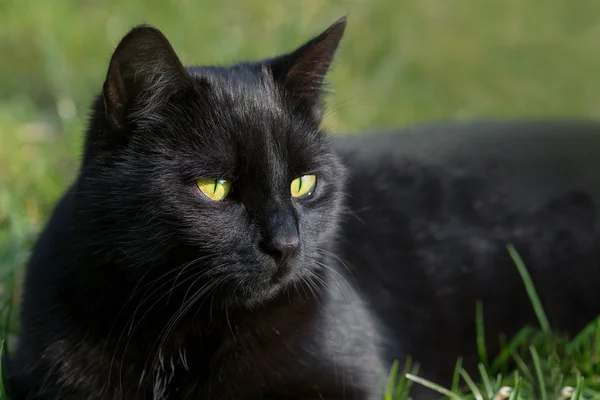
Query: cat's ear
[[302, 72], [143, 72]]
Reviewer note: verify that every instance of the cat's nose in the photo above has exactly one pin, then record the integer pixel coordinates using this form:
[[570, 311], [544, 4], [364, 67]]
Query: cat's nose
[[281, 238], [282, 247]]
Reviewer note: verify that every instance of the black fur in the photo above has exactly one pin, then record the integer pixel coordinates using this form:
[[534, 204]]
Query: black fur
[[142, 288], [433, 208]]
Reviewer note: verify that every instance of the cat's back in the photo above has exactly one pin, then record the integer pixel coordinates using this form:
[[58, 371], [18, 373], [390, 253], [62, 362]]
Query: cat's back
[[432, 208], [544, 155], [474, 172]]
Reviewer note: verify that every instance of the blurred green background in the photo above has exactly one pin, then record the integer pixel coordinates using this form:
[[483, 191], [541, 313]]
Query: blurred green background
[[400, 62]]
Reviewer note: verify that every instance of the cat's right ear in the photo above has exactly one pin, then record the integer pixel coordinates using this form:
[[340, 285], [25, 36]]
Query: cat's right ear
[[302, 72], [143, 72]]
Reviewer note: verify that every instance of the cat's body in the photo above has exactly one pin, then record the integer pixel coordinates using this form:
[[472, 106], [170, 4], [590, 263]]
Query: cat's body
[[141, 287], [432, 209]]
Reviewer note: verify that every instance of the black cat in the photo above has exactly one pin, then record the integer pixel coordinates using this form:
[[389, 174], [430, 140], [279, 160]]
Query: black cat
[[189, 260], [216, 244]]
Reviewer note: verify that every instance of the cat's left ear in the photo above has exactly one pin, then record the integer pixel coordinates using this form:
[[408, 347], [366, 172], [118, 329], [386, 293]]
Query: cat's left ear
[[302, 72], [144, 72]]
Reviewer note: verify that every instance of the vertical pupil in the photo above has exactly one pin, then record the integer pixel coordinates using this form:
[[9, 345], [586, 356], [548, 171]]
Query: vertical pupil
[[215, 187], [299, 184]]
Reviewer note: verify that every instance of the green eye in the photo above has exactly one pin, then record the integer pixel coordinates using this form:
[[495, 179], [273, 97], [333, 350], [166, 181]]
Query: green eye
[[214, 189], [303, 186]]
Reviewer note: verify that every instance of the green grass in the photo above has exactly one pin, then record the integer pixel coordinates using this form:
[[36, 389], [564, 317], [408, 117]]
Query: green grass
[[548, 365], [3, 395], [400, 62]]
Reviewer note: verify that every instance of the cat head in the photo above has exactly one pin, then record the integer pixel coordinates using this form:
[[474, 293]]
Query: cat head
[[219, 175]]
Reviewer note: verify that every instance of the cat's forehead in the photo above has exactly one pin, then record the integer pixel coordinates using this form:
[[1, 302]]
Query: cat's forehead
[[243, 87], [240, 120], [243, 100]]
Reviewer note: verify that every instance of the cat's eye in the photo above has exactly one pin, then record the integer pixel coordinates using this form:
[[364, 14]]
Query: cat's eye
[[215, 189], [303, 186]]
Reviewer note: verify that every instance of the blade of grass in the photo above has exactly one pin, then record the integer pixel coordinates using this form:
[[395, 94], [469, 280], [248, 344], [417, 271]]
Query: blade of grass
[[479, 325], [397, 383], [578, 389], [391, 386], [514, 395], [517, 390], [498, 383], [538, 370], [401, 384], [597, 345], [471, 384], [530, 288], [507, 351], [578, 341], [433, 386], [587, 349], [456, 376], [408, 383], [486, 381], [522, 365]]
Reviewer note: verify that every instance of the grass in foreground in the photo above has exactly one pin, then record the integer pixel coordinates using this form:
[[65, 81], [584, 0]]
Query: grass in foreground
[[536, 364]]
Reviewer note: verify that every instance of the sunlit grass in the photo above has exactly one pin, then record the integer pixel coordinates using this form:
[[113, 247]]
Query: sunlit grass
[[536, 364]]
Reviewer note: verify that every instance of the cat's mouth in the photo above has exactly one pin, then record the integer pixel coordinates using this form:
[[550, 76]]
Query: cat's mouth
[[278, 280], [282, 272]]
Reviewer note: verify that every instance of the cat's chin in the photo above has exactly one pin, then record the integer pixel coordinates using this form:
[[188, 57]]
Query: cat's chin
[[278, 285], [265, 295]]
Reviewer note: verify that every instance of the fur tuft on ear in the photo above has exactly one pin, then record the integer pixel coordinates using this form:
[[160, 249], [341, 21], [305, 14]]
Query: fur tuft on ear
[[143, 72], [302, 72]]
